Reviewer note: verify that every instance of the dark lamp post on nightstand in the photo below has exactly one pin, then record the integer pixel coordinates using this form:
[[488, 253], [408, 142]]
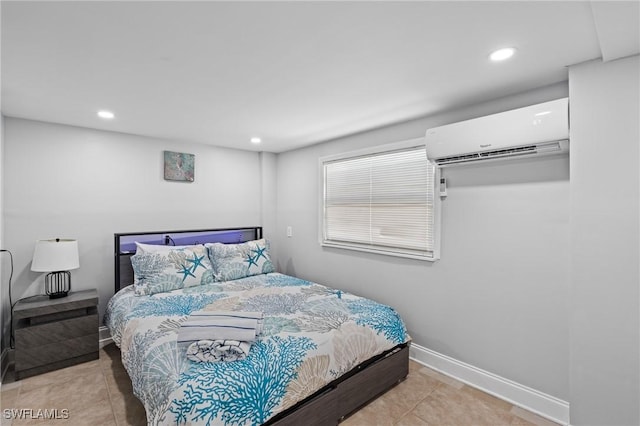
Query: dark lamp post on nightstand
[[58, 257]]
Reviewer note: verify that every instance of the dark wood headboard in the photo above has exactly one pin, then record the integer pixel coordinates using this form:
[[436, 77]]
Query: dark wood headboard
[[125, 244]]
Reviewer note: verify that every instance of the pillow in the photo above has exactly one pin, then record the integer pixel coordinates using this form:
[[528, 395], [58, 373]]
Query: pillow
[[172, 269], [234, 261], [155, 248]]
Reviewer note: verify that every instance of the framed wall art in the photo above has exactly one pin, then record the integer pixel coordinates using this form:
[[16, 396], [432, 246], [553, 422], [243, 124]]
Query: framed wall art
[[179, 166]]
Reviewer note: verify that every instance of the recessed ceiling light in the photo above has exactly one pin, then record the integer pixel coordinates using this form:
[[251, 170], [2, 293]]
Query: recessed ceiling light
[[256, 140], [502, 54], [107, 115]]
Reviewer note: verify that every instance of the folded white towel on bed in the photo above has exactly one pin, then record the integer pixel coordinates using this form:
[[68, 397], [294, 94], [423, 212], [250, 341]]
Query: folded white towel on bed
[[221, 325], [218, 350]]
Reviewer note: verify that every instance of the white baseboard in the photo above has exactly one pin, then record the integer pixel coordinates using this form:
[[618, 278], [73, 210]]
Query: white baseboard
[[530, 399], [104, 336]]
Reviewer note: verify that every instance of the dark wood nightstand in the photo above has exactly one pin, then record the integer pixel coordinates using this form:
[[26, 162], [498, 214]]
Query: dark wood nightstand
[[55, 333]]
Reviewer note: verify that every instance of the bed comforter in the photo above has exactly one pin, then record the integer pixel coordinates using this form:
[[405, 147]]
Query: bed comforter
[[312, 335]]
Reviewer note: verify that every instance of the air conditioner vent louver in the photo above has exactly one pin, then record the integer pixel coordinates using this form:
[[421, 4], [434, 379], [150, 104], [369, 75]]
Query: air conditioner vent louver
[[502, 153], [458, 159], [509, 151]]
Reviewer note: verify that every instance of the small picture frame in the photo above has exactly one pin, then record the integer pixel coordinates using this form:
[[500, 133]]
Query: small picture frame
[[179, 166]]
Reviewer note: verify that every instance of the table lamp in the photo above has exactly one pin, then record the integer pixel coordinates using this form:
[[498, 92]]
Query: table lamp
[[57, 257]]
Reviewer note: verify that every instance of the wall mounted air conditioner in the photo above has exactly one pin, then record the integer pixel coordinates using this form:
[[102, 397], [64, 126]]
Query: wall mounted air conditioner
[[536, 130]]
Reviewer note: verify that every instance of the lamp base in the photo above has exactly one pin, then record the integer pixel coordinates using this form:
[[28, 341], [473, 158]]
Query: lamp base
[[57, 284], [58, 295]]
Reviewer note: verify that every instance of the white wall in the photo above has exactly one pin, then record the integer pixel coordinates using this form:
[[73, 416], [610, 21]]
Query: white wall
[[605, 312], [4, 262], [4, 303], [269, 194], [63, 181], [498, 297]]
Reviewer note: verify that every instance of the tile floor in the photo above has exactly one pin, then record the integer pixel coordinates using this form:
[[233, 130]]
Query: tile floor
[[99, 393]]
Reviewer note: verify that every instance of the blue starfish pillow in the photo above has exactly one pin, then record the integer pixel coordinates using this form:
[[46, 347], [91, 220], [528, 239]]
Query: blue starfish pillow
[[171, 269], [235, 261]]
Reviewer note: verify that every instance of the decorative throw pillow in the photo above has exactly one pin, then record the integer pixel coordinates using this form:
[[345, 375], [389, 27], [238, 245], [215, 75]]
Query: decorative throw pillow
[[234, 261], [171, 269]]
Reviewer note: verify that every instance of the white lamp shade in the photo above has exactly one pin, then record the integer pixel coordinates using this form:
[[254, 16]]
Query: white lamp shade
[[55, 255]]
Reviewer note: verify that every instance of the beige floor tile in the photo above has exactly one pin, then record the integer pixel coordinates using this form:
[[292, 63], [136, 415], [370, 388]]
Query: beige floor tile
[[524, 417], [414, 366], [370, 415], [411, 420], [441, 377], [449, 406], [98, 414], [119, 378], [10, 384], [6, 422], [8, 397], [517, 421], [110, 356], [406, 395], [60, 376], [85, 398], [86, 390], [127, 409], [489, 399], [384, 410], [397, 402]]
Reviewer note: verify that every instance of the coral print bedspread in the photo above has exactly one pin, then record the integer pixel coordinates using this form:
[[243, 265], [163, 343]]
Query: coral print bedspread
[[312, 335]]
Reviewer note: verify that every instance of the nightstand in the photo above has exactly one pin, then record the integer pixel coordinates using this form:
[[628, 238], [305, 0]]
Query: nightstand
[[55, 333]]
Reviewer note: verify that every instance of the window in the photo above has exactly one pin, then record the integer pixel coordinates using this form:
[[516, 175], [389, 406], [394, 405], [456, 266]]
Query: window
[[381, 201]]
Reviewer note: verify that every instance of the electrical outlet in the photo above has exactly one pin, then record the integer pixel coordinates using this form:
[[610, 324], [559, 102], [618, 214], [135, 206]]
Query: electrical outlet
[[289, 232]]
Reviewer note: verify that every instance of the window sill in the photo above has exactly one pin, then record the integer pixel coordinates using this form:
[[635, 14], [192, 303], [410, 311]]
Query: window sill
[[406, 255]]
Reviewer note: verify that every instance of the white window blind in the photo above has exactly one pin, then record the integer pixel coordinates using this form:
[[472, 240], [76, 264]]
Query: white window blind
[[381, 202]]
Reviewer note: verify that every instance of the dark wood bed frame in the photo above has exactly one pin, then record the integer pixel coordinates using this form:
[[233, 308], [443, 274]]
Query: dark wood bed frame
[[329, 405]]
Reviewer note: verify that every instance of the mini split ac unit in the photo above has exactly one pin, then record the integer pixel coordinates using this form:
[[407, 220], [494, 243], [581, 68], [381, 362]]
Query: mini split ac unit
[[536, 130]]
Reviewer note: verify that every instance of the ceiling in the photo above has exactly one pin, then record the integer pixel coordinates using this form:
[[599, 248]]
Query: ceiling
[[292, 73]]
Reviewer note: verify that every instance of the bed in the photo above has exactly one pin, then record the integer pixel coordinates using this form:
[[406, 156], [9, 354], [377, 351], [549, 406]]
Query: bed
[[323, 352]]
